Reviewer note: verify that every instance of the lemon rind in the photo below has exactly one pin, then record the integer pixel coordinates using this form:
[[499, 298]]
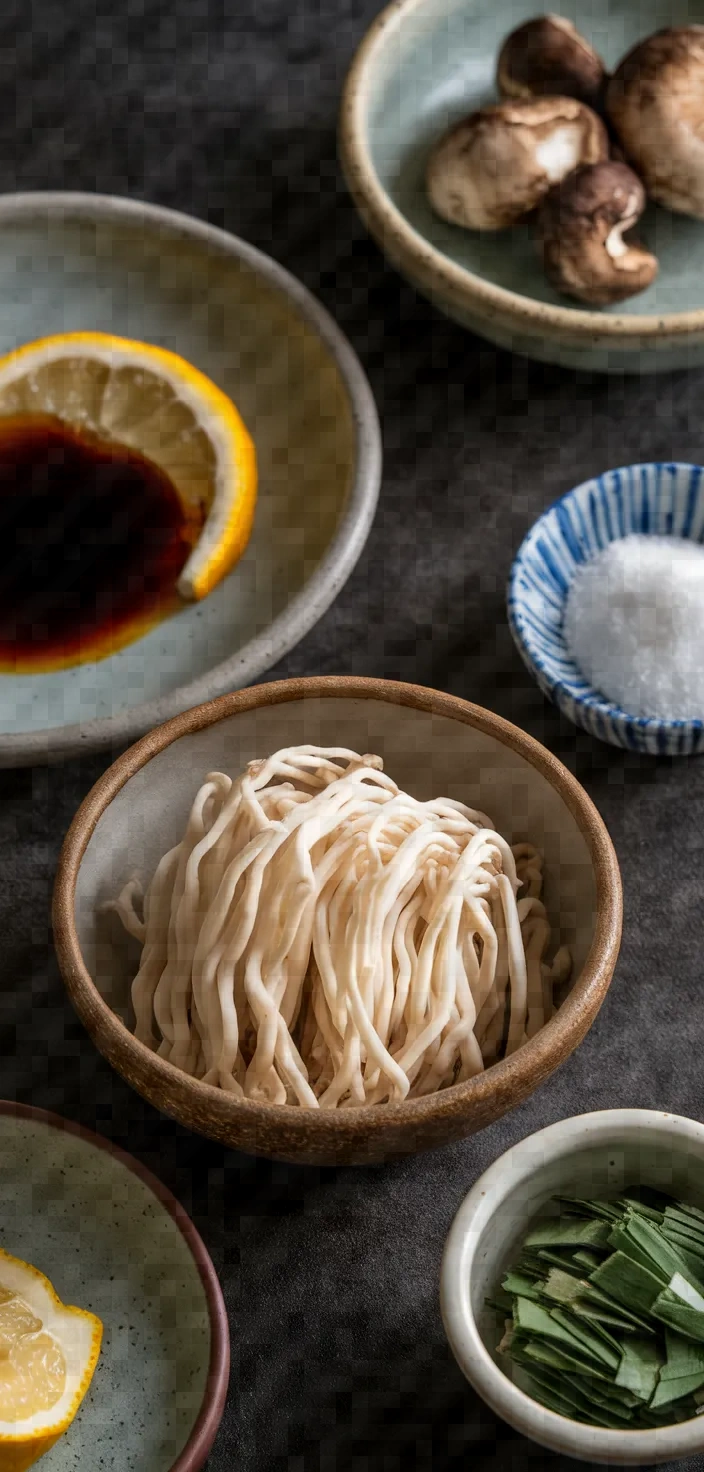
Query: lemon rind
[[228, 524], [42, 1431]]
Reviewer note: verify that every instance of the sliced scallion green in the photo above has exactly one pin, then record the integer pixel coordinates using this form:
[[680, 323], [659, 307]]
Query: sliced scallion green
[[604, 1310]]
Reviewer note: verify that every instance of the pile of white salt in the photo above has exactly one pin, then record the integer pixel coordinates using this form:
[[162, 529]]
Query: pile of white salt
[[634, 623]]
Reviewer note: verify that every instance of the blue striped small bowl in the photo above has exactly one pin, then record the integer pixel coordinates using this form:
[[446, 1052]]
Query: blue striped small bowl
[[662, 500]]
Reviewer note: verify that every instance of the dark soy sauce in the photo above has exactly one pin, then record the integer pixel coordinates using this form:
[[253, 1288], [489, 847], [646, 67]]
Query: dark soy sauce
[[93, 537]]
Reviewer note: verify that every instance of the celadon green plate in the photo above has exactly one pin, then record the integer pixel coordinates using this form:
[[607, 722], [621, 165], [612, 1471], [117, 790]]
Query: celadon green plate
[[80, 262], [113, 1241], [423, 65]]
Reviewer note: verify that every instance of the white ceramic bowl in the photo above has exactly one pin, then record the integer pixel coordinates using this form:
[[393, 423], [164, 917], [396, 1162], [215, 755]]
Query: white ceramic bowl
[[593, 1154]]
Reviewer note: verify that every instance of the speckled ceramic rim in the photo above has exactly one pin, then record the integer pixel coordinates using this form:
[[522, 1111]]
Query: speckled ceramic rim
[[290, 626], [201, 1439], [389, 225], [328, 1134], [607, 1127]]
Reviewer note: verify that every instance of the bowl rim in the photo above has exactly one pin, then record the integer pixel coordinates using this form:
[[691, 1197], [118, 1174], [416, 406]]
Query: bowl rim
[[345, 548], [516, 1165], [536, 1059], [381, 214], [206, 1425], [528, 645]]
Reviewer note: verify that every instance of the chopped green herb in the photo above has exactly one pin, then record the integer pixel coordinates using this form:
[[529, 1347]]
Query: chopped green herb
[[532, 1319], [623, 1241], [595, 1297], [561, 1286], [569, 1232], [688, 1210], [639, 1368], [673, 1390], [576, 1206], [559, 1359], [607, 1310], [516, 1283], [628, 1282], [684, 1359], [671, 1309], [681, 1236], [585, 1259], [600, 1319], [648, 1212], [607, 1211], [592, 1343], [562, 1260], [650, 1240], [675, 1217]]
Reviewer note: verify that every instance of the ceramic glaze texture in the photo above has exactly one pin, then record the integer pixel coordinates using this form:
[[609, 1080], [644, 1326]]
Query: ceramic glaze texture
[[432, 745], [107, 1244], [431, 63], [656, 500], [145, 273]]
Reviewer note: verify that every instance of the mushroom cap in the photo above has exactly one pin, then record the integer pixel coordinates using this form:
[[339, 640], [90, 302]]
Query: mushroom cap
[[548, 57], [655, 101], [493, 168], [581, 226]]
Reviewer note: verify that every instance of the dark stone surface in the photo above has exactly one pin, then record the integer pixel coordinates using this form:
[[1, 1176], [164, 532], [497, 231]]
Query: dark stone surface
[[227, 109]]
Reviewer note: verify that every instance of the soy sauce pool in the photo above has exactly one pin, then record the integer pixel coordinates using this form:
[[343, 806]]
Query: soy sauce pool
[[93, 537]]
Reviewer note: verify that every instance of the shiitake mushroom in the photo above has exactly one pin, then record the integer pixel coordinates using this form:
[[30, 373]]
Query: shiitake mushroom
[[493, 168], [543, 148], [655, 102], [547, 57], [581, 227]]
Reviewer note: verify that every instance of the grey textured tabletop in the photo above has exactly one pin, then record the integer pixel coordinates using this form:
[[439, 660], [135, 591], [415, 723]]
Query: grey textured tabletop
[[227, 109]]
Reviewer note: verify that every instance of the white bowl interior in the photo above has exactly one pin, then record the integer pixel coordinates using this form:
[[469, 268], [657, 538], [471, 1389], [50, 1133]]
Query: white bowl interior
[[429, 755]]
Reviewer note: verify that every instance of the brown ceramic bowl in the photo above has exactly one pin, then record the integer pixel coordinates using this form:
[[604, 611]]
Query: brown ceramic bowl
[[432, 744]]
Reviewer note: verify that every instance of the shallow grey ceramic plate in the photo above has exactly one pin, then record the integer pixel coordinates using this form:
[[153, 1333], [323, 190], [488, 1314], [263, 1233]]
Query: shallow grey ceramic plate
[[112, 1240], [73, 261], [422, 66]]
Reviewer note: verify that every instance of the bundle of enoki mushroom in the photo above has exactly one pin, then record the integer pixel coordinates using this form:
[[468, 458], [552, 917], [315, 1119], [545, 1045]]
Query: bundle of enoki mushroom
[[320, 938]]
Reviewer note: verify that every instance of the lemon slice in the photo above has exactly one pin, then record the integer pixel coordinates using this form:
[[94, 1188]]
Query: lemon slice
[[155, 402], [48, 1354]]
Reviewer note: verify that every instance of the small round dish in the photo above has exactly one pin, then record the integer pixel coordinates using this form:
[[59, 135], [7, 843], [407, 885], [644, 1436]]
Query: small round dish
[[422, 66], [92, 262], [657, 500], [593, 1155], [113, 1240], [432, 744]]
